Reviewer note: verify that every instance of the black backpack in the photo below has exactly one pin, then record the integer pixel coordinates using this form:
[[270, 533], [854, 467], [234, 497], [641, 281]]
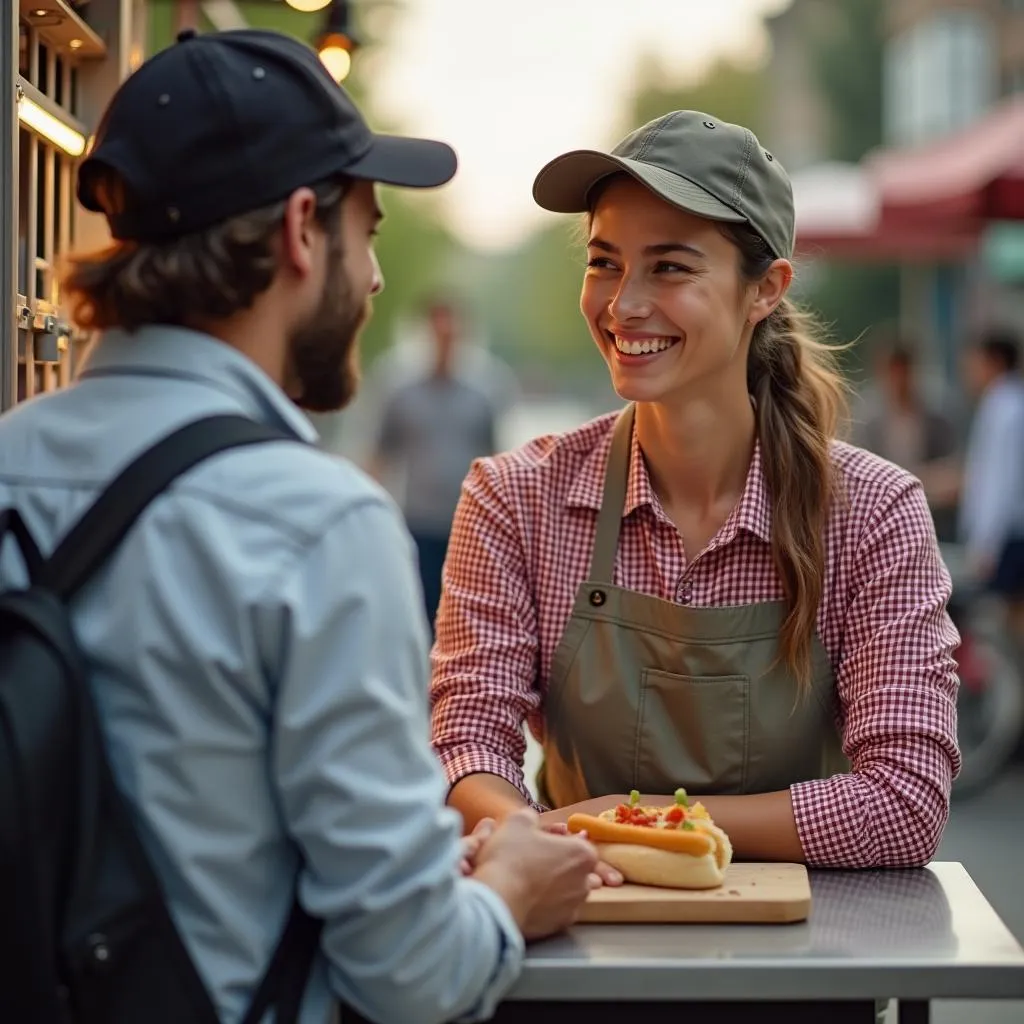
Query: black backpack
[[85, 933]]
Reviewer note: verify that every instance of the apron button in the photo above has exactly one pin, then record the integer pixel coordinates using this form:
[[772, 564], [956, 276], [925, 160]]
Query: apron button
[[597, 598]]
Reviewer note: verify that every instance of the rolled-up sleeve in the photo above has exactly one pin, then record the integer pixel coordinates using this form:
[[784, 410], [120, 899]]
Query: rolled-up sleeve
[[485, 658], [405, 936], [897, 685]]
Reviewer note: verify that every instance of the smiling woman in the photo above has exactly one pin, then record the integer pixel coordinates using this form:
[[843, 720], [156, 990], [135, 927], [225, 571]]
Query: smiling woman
[[707, 589]]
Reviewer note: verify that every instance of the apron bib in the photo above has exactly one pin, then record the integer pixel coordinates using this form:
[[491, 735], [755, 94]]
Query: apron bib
[[646, 694]]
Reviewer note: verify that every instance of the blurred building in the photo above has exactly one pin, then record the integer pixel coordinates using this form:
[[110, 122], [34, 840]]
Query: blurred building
[[941, 197], [796, 117], [947, 62]]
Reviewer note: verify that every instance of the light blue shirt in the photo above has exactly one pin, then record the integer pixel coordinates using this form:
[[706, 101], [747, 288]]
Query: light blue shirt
[[259, 659], [992, 506]]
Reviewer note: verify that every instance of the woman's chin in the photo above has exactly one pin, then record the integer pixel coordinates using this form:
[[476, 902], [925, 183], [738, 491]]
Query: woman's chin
[[632, 390]]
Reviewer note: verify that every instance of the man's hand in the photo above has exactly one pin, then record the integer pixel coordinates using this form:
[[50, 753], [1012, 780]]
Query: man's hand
[[604, 874], [543, 878], [472, 844]]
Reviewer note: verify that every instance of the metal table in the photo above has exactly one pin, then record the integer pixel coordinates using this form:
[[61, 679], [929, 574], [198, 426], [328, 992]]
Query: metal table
[[905, 935]]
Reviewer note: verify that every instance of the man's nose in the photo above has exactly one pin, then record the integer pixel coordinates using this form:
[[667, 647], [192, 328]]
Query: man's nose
[[377, 282]]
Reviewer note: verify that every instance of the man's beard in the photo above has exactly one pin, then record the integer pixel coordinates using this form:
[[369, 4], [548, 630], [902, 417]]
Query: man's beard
[[322, 351]]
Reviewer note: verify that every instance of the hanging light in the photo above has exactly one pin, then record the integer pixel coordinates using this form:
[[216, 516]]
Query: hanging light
[[308, 6], [44, 117], [337, 42]]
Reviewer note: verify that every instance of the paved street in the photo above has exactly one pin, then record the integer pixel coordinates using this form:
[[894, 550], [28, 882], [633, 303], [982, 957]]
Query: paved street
[[987, 836]]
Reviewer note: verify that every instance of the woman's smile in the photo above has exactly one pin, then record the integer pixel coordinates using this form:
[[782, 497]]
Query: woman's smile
[[634, 348]]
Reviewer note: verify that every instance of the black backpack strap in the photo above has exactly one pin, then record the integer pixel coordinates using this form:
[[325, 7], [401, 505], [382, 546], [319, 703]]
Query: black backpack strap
[[12, 523], [105, 523], [284, 984], [89, 542]]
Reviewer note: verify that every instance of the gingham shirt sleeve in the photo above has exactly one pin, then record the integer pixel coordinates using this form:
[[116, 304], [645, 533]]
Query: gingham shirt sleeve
[[897, 684], [485, 659]]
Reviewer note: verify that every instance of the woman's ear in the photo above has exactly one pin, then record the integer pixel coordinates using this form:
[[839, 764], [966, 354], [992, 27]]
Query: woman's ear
[[770, 290]]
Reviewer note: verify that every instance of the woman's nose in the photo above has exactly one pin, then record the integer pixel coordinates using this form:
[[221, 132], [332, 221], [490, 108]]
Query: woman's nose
[[631, 301]]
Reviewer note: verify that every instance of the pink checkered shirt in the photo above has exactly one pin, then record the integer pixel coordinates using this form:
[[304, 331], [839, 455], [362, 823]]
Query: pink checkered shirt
[[521, 545]]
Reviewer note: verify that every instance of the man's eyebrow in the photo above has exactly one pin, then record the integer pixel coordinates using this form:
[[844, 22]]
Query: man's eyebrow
[[659, 249]]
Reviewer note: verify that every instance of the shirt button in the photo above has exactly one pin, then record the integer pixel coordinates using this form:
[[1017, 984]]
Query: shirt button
[[684, 592]]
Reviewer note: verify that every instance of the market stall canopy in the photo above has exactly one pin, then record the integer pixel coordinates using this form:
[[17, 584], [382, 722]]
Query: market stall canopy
[[839, 215], [976, 173]]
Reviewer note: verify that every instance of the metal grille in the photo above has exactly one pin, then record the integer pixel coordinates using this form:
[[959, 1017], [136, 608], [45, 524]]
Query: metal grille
[[44, 226], [44, 221], [44, 45]]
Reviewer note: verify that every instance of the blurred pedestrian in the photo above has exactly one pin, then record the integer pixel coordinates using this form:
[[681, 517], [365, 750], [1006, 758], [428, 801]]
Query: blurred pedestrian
[[432, 426], [992, 494], [901, 424]]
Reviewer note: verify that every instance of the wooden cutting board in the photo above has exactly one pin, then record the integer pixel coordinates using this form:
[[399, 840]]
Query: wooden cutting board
[[752, 894]]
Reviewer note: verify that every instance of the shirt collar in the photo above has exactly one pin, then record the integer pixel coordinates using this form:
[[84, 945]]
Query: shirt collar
[[752, 513], [180, 354]]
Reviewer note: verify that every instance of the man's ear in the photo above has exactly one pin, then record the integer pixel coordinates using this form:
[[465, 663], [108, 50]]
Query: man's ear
[[298, 234]]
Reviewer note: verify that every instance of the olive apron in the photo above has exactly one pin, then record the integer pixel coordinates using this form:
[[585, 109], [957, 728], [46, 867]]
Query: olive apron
[[652, 695]]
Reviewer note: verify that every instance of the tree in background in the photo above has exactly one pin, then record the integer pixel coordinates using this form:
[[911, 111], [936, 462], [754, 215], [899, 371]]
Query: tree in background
[[727, 90], [848, 67], [847, 61]]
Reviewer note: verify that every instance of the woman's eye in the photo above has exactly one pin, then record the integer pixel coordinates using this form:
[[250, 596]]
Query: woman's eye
[[600, 263], [671, 268]]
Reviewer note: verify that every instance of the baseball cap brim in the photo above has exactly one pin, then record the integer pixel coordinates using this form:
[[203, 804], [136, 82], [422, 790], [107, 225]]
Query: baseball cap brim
[[406, 162], [564, 185]]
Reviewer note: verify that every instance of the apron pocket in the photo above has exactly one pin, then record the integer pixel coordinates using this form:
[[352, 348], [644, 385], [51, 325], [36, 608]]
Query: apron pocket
[[691, 731]]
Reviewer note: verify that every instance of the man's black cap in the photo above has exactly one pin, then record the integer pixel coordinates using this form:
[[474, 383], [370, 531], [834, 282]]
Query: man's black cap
[[223, 123]]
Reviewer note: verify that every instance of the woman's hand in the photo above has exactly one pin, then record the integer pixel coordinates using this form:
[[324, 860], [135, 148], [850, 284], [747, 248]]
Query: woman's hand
[[604, 874]]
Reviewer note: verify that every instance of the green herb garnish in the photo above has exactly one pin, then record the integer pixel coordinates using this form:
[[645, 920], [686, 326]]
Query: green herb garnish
[[681, 798]]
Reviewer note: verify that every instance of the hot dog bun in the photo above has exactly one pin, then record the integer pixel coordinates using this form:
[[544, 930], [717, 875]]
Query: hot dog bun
[[692, 858], [647, 865]]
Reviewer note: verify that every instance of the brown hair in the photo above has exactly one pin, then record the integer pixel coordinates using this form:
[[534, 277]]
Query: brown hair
[[206, 275], [800, 397]]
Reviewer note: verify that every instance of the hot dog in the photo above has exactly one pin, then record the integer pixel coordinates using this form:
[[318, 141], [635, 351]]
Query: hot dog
[[677, 846]]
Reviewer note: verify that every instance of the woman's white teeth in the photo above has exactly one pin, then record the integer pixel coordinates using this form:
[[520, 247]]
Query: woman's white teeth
[[640, 348]]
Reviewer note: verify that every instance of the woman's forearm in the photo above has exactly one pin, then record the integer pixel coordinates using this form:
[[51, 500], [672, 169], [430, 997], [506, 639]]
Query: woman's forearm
[[761, 826], [483, 795]]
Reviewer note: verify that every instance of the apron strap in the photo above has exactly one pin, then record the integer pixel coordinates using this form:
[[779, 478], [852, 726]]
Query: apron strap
[[609, 520]]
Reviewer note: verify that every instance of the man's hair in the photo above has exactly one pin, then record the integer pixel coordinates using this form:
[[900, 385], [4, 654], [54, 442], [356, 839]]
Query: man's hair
[[208, 275], [1002, 346]]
